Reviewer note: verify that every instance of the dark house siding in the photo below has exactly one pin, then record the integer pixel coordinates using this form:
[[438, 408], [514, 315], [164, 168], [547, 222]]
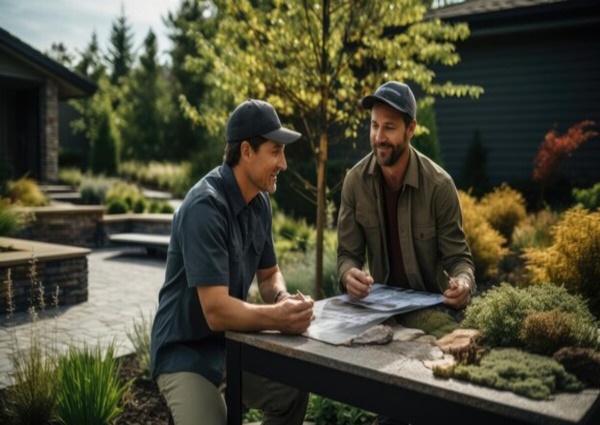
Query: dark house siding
[[540, 69]]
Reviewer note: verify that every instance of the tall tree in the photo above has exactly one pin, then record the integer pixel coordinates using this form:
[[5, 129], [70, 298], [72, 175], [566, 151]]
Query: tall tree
[[190, 139], [146, 108], [120, 51], [60, 53], [91, 63], [315, 60]]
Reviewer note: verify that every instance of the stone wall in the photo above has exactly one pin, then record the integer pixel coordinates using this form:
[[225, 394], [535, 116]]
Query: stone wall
[[67, 225], [34, 265], [70, 275]]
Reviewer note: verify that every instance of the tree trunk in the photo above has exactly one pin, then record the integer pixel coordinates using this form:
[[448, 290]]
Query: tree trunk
[[321, 200]]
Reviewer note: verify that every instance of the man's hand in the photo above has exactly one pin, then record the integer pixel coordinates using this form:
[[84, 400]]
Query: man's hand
[[458, 295], [295, 314], [357, 283]]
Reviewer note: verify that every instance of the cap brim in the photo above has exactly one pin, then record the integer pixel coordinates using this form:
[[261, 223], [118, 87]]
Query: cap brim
[[368, 101], [282, 135]]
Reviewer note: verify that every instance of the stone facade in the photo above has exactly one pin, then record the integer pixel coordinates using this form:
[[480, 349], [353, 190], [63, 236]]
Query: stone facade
[[49, 136]]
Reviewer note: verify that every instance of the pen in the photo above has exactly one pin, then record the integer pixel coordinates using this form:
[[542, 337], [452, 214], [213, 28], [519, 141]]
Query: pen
[[451, 279], [302, 297]]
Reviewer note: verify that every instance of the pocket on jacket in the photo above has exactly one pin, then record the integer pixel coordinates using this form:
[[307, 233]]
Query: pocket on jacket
[[367, 218], [424, 233]]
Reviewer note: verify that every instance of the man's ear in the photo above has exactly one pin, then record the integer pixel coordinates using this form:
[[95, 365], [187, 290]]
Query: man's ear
[[245, 149], [411, 128]]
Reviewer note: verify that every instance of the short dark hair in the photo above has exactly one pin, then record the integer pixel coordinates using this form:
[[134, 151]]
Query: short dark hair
[[232, 149]]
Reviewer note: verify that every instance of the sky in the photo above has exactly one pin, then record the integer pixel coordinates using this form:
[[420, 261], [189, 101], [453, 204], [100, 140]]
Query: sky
[[39, 23]]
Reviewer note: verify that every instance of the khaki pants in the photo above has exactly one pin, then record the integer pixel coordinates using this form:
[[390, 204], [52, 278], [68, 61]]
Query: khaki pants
[[194, 400]]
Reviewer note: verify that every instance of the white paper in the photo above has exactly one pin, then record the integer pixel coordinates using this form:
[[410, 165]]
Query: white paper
[[339, 319]]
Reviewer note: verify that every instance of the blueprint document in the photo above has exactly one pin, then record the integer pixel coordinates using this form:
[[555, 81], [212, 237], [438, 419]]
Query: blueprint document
[[339, 319]]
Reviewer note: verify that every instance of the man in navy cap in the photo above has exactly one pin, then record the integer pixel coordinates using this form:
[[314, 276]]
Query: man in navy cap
[[221, 239], [401, 211]]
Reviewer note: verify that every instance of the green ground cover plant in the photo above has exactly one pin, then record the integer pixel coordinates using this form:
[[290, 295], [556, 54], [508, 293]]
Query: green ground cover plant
[[509, 369]]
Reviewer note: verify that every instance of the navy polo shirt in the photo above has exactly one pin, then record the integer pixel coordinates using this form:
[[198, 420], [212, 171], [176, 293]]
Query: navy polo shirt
[[216, 239]]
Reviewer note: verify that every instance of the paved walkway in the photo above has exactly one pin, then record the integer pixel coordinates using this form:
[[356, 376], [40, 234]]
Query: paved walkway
[[123, 285]]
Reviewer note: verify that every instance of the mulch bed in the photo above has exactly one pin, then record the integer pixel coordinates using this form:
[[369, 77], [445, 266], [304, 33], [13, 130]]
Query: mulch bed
[[143, 403]]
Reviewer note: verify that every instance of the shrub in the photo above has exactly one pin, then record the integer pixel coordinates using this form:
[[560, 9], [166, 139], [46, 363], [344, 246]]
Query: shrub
[[140, 205], [589, 198], [500, 312], [126, 192], [26, 192], [88, 387], [31, 398], [545, 332], [572, 260], [93, 190], [504, 209], [555, 148], [485, 242], [11, 222], [117, 206], [581, 362], [70, 176], [324, 411], [526, 374], [161, 207], [534, 231], [139, 337]]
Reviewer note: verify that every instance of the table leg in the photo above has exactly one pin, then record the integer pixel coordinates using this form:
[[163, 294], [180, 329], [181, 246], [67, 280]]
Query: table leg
[[233, 391]]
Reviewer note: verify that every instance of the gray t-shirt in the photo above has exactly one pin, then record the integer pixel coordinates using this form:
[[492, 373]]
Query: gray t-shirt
[[216, 239]]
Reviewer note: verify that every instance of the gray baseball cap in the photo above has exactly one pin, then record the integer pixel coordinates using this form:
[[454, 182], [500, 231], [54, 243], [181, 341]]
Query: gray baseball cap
[[398, 95], [254, 118]]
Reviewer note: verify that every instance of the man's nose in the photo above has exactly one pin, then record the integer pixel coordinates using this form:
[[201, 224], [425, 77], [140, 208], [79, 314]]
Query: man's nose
[[283, 162]]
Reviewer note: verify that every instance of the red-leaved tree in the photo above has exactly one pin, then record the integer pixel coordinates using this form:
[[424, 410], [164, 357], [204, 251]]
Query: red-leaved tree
[[555, 148]]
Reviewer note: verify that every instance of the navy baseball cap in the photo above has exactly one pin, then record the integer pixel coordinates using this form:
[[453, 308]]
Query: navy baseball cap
[[398, 95], [254, 118]]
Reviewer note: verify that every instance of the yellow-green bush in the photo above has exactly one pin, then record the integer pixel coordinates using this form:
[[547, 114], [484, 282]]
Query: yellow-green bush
[[127, 192], [500, 313], [486, 243], [534, 231], [11, 221], [545, 332], [70, 176], [504, 208], [26, 192], [572, 260]]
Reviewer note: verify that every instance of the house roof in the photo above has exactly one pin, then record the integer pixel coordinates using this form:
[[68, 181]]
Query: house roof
[[70, 85], [487, 17], [474, 7]]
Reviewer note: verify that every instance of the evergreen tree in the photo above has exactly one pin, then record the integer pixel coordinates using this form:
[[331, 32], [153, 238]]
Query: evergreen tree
[[90, 63], [146, 108], [60, 53], [120, 54], [474, 176], [189, 139], [427, 141]]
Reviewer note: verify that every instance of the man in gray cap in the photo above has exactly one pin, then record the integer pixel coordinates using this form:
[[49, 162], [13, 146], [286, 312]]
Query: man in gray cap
[[221, 239], [401, 210]]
